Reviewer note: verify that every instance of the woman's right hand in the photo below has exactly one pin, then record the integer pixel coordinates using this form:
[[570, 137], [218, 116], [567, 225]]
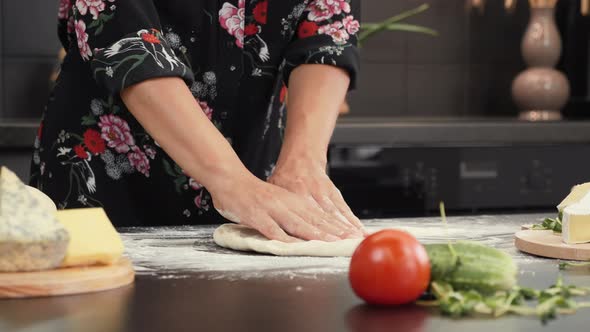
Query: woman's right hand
[[275, 212]]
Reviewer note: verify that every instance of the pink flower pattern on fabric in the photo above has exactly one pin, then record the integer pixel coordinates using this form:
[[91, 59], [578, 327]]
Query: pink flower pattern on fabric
[[199, 200], [64, 8], [232, 20], [82, 36], [71, 25], [139, 161], [149, 151], [321, 10], [335, 30], [351, 25], [115, 131], [330, 16], [94, 7], [194, 184], [206, 109], [115, 146]]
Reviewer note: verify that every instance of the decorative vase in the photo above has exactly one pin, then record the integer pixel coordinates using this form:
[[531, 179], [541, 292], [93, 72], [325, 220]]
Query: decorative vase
[[541, 91]]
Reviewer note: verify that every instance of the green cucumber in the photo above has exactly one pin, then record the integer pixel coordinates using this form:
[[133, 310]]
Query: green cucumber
[[472, 266]]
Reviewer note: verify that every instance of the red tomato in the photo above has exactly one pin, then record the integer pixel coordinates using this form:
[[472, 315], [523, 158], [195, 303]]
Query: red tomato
[[389, 267]]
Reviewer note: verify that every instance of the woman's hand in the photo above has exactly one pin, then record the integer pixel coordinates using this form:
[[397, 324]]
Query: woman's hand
[[308, 178], [198, 147], [313, 101], [275, 212]]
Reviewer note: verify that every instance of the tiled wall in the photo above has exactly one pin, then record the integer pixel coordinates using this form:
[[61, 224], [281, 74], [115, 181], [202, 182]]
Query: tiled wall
[[465, 71], [1, 57], [28, 54]]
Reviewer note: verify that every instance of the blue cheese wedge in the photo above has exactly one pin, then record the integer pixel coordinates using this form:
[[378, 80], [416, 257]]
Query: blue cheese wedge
[[44, 200], [31, 238], [576, 221]]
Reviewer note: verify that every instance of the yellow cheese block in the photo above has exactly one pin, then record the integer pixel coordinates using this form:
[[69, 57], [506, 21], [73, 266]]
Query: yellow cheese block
[[93, 239], [578, 192]]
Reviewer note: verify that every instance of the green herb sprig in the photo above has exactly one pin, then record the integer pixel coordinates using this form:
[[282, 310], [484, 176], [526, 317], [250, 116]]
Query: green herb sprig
[[570, 265], [553, 224], [546, 304]]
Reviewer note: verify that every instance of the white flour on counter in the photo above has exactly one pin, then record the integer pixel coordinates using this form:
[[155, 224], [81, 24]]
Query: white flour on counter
[[175, 252]]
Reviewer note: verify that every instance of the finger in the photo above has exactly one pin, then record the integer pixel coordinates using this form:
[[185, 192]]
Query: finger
[[335, 229], [316, 216], [336, 217], [346, 211], [271, 230], [357, 222], [329, 216], [297, 226], [329, 222]]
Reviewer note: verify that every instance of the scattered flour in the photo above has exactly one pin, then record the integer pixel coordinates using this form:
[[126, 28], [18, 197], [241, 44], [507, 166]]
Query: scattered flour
[[177, 252]]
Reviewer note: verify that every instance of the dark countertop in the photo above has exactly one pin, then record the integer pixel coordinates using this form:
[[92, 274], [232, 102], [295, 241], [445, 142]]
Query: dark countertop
[[186, 283], [398, 131], [458, 131], [18, 133]]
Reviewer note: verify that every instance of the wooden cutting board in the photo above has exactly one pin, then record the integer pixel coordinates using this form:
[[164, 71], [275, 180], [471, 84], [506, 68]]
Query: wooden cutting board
[[66, 281], [548, 244]]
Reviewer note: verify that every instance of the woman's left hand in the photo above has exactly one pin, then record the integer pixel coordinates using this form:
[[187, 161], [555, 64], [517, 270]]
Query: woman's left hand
[[309, 178]]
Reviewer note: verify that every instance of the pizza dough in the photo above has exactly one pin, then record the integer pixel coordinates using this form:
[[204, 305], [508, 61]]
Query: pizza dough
[[238, 237]]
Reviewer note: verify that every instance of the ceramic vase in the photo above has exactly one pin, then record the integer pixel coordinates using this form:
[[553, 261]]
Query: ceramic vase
[[541, 91]]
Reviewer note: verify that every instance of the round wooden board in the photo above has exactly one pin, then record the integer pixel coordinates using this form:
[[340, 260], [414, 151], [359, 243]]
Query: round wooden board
[[66, 281], [548, 244]]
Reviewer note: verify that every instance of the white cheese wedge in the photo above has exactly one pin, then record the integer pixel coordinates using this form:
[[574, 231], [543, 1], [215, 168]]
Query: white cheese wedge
[[576, 222], [577, 193], [31, 238]]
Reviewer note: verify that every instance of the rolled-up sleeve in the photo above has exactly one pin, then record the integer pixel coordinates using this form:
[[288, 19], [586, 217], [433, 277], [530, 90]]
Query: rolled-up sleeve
[[123, 43], [326, 34]]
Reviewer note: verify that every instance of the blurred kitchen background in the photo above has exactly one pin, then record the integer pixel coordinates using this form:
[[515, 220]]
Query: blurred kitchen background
[[433, 118]]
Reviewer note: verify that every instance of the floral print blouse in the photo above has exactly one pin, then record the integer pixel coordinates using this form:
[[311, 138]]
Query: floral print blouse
[[235, 56]]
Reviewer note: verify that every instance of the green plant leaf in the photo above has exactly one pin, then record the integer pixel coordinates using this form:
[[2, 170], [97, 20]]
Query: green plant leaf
[[411, 28], [370, 29], [99, 30], [168, 168], [93, 24], [179, 182], [178, 169], [105, 18], [88, 120]]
